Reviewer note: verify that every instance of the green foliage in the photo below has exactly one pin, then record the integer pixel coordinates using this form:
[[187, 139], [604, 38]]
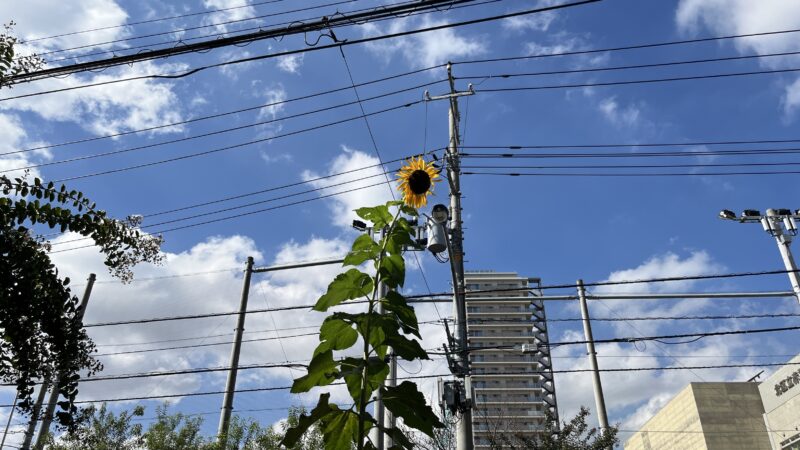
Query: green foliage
[[42, 333], [346, 428], [10, 64], [103, 430]]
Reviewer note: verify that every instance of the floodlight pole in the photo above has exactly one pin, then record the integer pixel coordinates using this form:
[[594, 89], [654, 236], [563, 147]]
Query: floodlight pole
[[600, 401], [464, 439], [781, 225]]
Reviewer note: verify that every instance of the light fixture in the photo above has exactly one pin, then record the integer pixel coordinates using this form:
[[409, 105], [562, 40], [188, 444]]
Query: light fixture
[[784, 212], [727, 214], [439, 213], [751, 213], [359, 225]]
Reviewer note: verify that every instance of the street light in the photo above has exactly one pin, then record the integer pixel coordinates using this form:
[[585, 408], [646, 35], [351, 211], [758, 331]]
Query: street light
[[780, 224]]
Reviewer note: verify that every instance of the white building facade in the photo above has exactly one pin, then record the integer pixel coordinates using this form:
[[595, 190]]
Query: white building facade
[[512, 379], [780, 394]]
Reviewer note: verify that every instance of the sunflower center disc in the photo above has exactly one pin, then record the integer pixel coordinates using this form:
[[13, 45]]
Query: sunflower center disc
[[419, 182]]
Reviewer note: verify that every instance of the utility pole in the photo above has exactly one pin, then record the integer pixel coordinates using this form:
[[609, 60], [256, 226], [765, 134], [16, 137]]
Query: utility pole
[[780, 224], [46, 384], [464, 424], [56, 384], [379, 438], [230, 386], [600, 401]]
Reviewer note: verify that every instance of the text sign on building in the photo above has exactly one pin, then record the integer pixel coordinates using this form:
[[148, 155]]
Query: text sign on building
[[787, 383]]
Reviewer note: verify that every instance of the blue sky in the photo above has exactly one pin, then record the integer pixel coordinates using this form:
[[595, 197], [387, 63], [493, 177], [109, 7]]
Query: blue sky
[[556, 228]]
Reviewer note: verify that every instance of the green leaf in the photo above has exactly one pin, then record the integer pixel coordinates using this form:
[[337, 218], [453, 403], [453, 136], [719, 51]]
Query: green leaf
[[340, 430], [398, 239], [335, 334], [379, 327], [321, 372], [346, 286], [393, 270], [399, 438], [403, 312], [408, 349], [406, 402], [353, 371], [378, 215], [364, 248], [294, 434]]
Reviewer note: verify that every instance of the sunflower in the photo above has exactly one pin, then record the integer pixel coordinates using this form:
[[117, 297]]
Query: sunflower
[[417, 178]]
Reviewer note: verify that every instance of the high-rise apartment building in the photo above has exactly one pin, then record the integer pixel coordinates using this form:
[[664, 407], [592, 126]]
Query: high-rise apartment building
[[512, 374]]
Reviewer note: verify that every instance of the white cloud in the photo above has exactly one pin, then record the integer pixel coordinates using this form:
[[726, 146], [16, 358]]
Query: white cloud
[[663, 266], [110, 108], [623, 116], [240, 11], [534, 22], [290, 63], [15, 138], [729, 17], [43, 18], [424, 49], [273, 98], [343, 205]]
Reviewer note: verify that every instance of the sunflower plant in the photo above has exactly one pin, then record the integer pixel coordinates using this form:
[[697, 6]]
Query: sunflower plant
[[348, 427]]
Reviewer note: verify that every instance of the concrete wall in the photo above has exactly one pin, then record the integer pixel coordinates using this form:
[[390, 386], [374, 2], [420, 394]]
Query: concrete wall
[[707, 416]]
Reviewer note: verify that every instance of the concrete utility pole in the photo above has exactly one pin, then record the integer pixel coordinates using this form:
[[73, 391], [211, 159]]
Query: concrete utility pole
[[600, 401], [230, 386], [54, 386], [780, 224], [379, 411], [464, 424]]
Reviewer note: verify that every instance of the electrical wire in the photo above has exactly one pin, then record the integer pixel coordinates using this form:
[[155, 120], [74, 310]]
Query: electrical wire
[[319, 25], [219, 131], [440, 375], [623, 174], [223, 114]]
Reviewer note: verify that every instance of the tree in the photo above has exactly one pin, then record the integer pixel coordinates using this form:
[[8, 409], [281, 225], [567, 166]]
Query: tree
[[104, 430], [42, 335], [10, 64]]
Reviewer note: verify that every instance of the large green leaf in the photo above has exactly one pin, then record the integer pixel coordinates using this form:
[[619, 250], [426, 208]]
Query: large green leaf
[[380, 326], [406, 402], [377, 371], [403, 312], [335, 334], [408, 349], [399, 237], [393, 270], [294, 434], [378, 215], [346, 286], [321, 372], [340, 430], [364, 248]]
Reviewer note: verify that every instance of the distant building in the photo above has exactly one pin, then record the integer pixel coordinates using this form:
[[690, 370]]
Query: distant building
[[707, 416], [512, 388], [781, 396]]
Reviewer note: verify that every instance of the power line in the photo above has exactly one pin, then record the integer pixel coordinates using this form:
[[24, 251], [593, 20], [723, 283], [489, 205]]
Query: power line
[[637, 166], [623, 175], [209, 344], [630, 47], [679, 153], [223, 114], [626, 67], [642, 81], [235, 146], [526, 373], [192, 28], [219, 132], [142, 22], [640, 144], [315, 26]]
